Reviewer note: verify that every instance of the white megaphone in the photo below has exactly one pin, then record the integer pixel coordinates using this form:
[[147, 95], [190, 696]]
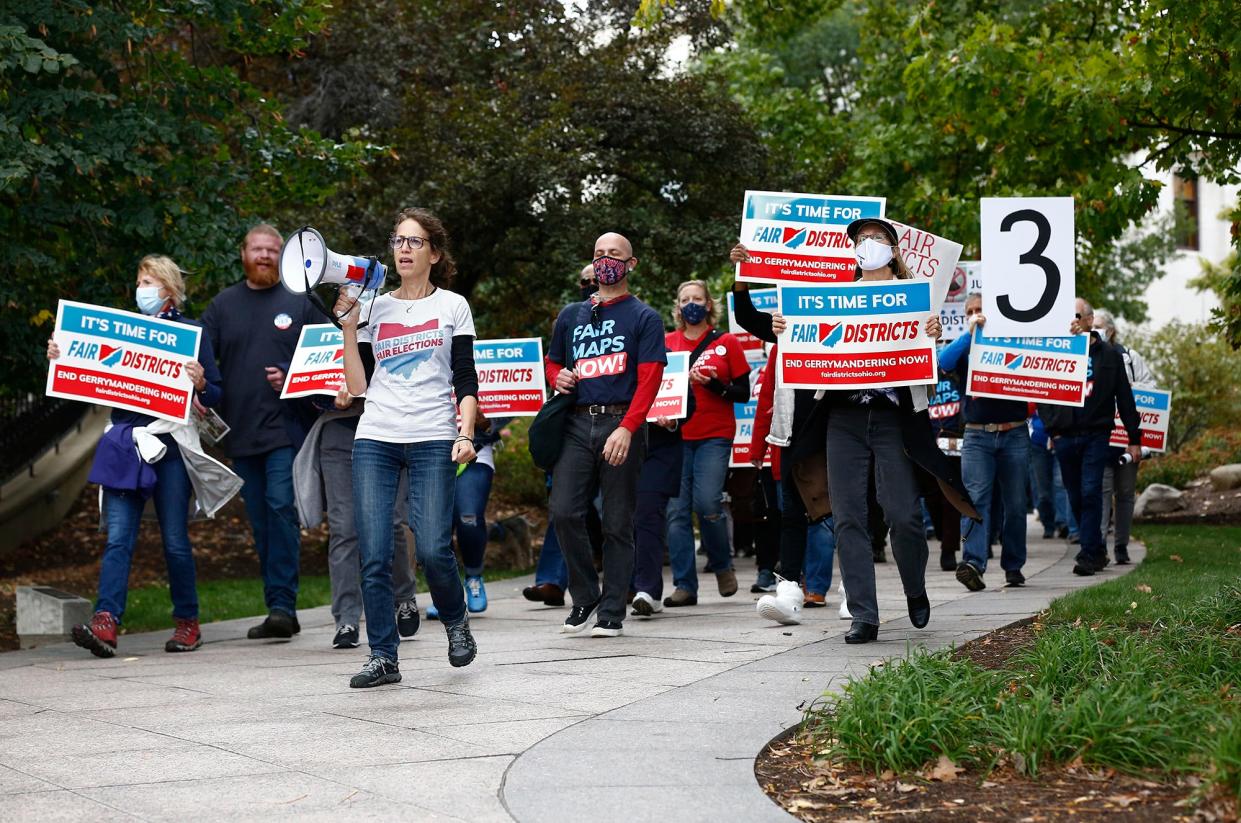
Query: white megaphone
[[307, 262]]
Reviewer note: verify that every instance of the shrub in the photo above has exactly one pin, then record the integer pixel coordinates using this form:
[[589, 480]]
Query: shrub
[[518, 481], [1214, 448]]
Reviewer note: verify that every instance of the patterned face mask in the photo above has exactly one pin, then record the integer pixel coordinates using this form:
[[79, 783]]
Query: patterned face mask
[[609, 271], [693, 313]]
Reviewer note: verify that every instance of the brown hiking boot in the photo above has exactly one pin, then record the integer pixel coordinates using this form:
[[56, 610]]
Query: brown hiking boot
[[680, 597], [99, 637], [186, 637], [727, 582]]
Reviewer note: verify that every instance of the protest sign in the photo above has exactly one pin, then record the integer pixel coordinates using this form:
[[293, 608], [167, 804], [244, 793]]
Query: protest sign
[[1038, 369], [858, 336], [672, 400], [929, 257], [743, 434], [318, 364], [765, 301], [124, 360], [800, 238], [510, 376], [1028, 274], [1155, 410], [966, 280]]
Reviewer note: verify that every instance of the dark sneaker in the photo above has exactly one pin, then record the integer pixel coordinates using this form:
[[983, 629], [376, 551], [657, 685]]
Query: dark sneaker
[[1122, 556], [186, 637], [970, 577], [680, 597], [277, 625], [407, 619], [1014, 578], [947, 560], [765, 583], [919, 610], [99, 636], [607, 628], [376, 672], [1062, 532], [576, 621], [346, 637], [1083, 569], [1101, 563], [461, 645]]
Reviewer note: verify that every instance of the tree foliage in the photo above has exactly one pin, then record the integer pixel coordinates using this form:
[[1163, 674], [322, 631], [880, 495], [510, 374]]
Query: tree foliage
[[128, 128], [531, 128]]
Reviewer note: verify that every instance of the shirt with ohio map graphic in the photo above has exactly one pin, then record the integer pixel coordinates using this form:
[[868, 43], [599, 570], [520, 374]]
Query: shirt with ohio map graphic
[[410, 398]]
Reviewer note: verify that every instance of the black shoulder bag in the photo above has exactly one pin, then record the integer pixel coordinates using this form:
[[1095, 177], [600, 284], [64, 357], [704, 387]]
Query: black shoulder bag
[[546, 434]]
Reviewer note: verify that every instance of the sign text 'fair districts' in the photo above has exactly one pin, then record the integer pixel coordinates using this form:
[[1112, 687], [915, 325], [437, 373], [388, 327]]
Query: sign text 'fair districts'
[[800, 238], [1154, 410], [510, 376], [124, 360], [1037, 369], [859, 336], [318, 364]]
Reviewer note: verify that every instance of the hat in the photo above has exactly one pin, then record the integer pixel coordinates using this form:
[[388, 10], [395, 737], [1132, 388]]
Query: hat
[[856, 226]]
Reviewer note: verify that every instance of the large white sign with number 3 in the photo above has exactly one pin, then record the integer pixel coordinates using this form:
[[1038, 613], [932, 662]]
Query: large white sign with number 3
[[1028, 279]]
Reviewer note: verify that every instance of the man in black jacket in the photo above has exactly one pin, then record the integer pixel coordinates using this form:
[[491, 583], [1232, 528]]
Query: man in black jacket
[[1080, 437]]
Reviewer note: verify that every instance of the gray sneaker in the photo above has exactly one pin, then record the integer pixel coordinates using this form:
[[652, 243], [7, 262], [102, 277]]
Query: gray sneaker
[[766, 582], [376, 672], [461, 646]]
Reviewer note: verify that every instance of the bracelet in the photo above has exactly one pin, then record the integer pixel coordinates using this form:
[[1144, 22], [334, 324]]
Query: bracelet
[[463, 437]]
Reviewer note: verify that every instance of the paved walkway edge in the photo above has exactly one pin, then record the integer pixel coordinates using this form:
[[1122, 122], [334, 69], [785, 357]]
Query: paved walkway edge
[[688, 754]]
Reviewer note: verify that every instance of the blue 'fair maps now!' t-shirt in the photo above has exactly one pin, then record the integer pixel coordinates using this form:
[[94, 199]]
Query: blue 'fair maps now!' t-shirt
[[606, 351]]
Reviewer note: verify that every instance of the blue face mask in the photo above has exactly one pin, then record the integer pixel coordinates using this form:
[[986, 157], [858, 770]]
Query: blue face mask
[[693, 313], [148, 299]]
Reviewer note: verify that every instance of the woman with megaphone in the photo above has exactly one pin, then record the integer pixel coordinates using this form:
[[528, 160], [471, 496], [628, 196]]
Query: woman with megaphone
[[420, 340]]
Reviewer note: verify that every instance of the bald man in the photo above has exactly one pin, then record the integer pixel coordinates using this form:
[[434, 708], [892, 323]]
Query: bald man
[[608, 351]]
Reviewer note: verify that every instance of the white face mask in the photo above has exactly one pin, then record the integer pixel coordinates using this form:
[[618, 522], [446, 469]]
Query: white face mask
[[871, 254], [148, 299]]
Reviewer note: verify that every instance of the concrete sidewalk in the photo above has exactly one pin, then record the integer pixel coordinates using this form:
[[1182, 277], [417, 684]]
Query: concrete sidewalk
[[660, 724]]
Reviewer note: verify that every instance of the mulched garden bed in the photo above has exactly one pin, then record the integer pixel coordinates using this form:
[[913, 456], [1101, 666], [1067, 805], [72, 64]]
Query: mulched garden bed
[[818, 791]]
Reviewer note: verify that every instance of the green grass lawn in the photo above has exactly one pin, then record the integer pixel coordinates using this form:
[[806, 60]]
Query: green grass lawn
[[149, 608], [1140, 674]]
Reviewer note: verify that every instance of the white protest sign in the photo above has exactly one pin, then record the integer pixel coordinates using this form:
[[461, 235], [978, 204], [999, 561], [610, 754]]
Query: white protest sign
[[858, 336], [510, 376], [672, 400], [929, 257], [1038, 369], [966, 280], [1155, 410], [800, 238], [765, 301], [122, 359], [1028, 274], [318, 364]]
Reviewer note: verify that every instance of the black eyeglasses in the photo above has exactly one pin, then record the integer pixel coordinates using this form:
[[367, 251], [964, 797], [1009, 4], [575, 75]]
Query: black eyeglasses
[[596, 315], [584, 282], [414, 242]]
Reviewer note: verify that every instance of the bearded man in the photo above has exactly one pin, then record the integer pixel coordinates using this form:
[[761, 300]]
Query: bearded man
[[254, 326]]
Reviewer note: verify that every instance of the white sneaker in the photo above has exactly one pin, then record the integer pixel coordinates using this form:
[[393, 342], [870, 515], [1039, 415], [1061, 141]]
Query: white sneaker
[[644, 605], [784, 606], [844, 603]]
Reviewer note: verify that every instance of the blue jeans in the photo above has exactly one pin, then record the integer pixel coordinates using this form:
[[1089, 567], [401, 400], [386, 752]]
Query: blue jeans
[[551, 568], [469, 515], [1083, 459], [268, 494], [703, 471], [820, 551], [989, 459], [432, 488], [122, 514]]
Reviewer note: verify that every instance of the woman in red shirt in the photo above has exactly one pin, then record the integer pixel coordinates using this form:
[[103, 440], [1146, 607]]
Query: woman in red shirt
[[719, 377]]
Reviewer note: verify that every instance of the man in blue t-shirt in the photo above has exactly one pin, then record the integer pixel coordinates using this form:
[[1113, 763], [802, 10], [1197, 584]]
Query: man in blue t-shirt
[[253, 327], [609, 352], [996, 450]]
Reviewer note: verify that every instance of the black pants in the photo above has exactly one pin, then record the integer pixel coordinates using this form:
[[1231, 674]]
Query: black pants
[[855, 435], [579, 471]]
